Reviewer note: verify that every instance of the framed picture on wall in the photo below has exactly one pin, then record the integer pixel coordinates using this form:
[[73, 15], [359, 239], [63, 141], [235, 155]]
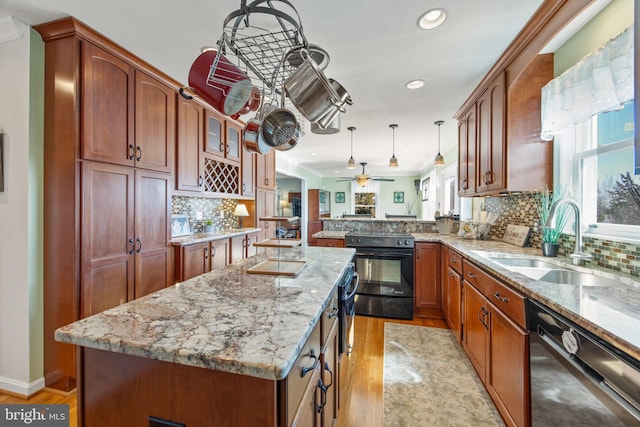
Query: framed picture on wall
[[180, 225], [340, 197], [398, 197], [425, 188]]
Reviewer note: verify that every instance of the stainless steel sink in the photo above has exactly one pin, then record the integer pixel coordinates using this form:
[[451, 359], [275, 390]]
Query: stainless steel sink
[[577, 278], [524, 262]]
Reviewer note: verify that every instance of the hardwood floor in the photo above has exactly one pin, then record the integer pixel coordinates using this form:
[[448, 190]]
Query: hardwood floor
[[362, 402]]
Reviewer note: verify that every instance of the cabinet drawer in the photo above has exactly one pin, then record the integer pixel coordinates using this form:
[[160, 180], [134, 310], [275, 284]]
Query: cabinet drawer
[[455, 260], [501, 296], [305, 368], [329, 317], [331, 243]]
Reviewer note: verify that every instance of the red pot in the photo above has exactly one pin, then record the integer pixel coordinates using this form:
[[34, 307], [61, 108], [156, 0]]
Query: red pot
[[220, 83]]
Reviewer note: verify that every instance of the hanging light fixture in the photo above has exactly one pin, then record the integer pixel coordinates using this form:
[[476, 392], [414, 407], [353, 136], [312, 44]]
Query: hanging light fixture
[[439, 160], [393, 162], [351, 164]]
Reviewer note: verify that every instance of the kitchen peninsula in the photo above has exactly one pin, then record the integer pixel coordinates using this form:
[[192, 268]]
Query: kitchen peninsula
[[224, 348]]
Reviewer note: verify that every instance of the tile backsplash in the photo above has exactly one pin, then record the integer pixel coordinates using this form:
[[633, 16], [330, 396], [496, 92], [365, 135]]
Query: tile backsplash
[[219, 211], [520, 209]]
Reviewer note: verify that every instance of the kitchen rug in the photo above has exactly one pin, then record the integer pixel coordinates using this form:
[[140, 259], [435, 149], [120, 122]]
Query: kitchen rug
[[428, 381]]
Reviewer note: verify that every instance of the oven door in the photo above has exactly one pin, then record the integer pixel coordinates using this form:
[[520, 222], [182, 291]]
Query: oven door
[[385, 272], [386, 282]]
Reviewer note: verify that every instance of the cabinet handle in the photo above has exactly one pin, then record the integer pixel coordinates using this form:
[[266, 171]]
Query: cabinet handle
[[452, 259], [139, 242], [470, 274], [244, 187], [139, 150], [333, 312], [481, 316], [304, 371], [200, 181], [132, 152], [266, 181], [221, 147], [323, 397], [465, 184], [213, 250], [500, 297], [131, 246], [326, 368], [206, 253], [349, 349]]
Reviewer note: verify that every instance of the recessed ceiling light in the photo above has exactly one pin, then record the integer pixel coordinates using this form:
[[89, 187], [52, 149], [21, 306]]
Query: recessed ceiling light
[[432, 18], [414, 84], [314, 154]]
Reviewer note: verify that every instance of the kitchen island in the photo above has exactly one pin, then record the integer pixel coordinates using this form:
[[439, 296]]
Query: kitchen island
[[218, 349]]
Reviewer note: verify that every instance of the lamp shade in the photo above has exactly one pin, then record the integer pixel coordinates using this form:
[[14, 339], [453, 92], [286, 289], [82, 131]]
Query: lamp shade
[[241, 210]]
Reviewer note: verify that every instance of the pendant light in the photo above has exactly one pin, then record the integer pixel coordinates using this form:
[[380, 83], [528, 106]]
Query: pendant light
[[393, 162], [351, 164], [439, 160]]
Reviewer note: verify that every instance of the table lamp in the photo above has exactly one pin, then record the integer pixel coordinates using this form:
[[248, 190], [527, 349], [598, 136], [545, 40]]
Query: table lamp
[[240, 211]]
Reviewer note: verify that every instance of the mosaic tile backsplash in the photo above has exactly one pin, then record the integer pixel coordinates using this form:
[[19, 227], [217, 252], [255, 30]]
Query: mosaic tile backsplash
[[219, 211], [520, 209]]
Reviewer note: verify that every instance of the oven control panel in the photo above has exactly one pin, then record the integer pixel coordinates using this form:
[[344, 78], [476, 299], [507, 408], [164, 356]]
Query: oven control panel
[[379, 241]]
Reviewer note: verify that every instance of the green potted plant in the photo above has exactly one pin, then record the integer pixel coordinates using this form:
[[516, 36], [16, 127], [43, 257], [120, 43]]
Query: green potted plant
[[551, 235], [208, 226]]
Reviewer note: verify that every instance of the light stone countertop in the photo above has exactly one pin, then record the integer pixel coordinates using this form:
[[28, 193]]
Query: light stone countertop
[[230, 320], [609, 312], [207, 237]]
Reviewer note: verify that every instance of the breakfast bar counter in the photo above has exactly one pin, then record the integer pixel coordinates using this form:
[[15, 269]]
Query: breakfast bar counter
[[226, 340]]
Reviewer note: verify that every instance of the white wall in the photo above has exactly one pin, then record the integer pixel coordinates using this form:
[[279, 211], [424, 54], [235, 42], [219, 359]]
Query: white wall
[[21, 366]]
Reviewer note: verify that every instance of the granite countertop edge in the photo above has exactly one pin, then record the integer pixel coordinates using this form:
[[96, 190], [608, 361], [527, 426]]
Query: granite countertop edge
[[229, 320], [195, 238]]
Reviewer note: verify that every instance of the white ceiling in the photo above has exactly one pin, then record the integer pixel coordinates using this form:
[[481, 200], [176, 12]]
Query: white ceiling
[[375, 48]]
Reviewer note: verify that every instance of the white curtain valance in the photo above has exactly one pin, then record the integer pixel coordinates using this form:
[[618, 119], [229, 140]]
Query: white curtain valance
[[602, 81]]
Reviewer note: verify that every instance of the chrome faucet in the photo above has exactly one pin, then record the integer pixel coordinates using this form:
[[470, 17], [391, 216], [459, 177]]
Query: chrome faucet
[[578, 257]]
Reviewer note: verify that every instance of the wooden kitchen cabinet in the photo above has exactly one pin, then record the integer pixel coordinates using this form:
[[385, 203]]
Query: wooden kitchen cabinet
[[330, 243], [318, 204], [109, 134], [125, 229], [199, 258], [247, 171], [427, 284], [222, 137], [467, 153], [128, 116], [491, 137], [452, 291], [189, 176], [496, 342], [266, 170]]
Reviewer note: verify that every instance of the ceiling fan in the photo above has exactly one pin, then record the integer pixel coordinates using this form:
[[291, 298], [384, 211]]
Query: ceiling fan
[[364, 179]]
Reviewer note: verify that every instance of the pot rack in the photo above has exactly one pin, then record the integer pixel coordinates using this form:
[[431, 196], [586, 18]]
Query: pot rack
[[267, 40]]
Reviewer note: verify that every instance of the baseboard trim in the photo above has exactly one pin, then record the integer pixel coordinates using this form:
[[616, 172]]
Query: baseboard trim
[[21, 389]]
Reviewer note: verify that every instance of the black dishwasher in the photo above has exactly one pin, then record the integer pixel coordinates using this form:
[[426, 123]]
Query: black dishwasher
[[577, 379]]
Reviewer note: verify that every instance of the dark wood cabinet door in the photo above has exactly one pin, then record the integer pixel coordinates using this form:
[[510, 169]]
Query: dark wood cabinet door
[[476, 328], [507, 374], [219, 254], [108, 241], [107, 107], [152, 232], [189, 135], [454, 302], [155, 124], [428, 293], [247, 171], [266, 170], [238, 248], [467, 153], [195, 260], [491, 138]]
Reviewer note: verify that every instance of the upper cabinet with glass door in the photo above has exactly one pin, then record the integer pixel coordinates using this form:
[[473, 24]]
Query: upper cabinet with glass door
[[222, 137]]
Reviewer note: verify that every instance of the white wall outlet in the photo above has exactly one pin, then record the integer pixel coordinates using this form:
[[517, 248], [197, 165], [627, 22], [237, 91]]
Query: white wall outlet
[[198, 216], [221, 214]]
